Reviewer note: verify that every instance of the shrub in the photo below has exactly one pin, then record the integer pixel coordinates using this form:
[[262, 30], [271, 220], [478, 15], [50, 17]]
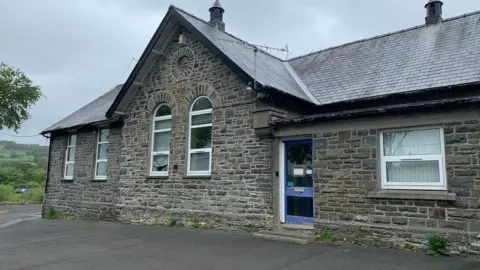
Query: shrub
[[36, 194], [7, 193], [437, 245]]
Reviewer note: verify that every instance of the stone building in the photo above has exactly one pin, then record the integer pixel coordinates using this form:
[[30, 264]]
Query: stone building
[[377, 139]]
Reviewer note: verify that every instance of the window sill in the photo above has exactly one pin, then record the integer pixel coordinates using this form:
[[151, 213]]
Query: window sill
[[411, 195], [197, 176], [157, 177], [67, 180], [99, 180]]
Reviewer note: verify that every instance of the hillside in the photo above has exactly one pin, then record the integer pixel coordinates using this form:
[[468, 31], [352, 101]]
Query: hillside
[[22, 164]]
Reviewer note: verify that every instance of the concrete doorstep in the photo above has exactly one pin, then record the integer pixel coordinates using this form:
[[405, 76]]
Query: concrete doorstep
[[284, 237]]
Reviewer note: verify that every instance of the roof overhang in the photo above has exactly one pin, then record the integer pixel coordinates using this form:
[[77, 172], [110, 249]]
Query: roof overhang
[[397, 109]]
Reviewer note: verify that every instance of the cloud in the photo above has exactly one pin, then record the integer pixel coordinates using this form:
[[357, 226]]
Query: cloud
[[77, 50]]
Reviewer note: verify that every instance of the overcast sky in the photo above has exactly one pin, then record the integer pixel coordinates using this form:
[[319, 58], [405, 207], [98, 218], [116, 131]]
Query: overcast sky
[[77, 50]]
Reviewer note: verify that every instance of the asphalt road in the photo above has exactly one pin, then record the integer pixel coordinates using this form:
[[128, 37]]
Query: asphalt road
[[59, 245], [10, 215]]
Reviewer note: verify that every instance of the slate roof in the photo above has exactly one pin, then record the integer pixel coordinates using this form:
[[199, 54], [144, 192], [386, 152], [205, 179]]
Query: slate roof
[[410, 60], [90, 113], [413, 59], [270, 71]]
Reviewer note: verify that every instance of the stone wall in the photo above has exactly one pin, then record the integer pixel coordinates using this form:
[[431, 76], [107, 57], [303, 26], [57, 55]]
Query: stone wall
[[83, 197], [240, 189], [347, 169]]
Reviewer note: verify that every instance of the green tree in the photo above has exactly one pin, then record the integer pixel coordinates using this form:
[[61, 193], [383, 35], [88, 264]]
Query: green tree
[[17, 95], [43, 162], [10, 175]]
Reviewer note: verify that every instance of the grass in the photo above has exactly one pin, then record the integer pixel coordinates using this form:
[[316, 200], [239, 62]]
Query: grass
[[3, 212]]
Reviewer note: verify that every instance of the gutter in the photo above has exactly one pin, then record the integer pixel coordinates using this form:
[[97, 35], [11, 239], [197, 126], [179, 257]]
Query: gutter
[[48, 173], [462, 103]]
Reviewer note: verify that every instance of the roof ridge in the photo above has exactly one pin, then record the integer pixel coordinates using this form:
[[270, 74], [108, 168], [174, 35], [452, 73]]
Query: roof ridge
[[381, 36], [227, 33]]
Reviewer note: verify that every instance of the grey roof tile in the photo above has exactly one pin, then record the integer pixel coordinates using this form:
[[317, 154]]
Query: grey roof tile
[[269, 71], [409, 60], [413, 59], [90, 113]]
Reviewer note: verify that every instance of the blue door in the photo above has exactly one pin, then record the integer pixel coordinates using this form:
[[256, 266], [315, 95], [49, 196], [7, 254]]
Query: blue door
[[298, 182]]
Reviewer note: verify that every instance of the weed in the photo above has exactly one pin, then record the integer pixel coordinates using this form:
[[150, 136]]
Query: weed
[[324, 236], [437, 245], [194, 224], [51, 213], [3, 212], [170, 222], [68, 217]]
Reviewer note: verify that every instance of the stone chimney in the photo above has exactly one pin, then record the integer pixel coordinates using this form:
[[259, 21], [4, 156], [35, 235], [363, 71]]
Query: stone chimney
[[434, 12], [216, 15]]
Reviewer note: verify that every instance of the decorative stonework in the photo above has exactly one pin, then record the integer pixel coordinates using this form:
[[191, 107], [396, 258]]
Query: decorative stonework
[[182, 63], [203, 89], [159, 98]]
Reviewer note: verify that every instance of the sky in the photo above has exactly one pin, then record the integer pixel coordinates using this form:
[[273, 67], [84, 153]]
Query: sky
[[77, 50]]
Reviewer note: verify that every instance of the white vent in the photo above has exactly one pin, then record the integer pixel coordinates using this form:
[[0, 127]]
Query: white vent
[[182, 39]]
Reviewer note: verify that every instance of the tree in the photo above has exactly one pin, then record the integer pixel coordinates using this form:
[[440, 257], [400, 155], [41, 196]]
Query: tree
[[17, 95]]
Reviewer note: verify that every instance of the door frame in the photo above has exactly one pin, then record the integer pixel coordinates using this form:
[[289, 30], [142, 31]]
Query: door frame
[[282, 179]]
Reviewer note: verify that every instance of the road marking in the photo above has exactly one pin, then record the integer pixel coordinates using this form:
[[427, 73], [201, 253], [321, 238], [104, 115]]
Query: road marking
[[15, 221]]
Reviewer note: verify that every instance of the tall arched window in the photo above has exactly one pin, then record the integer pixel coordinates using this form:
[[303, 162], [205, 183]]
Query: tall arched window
[[162, 130], [200, 137]]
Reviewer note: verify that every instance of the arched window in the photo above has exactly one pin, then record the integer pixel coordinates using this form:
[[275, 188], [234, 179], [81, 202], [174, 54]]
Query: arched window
[[200, 137], [162, 130]]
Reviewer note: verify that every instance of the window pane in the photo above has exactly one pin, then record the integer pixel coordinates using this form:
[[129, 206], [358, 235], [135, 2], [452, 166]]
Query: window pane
[[102, 151], [73, 140], [199, 161], [413, 171], [202, 104], [412, 142], [69, 171], [201, 138], [202, 119], [164, 124], [71, 154], [161, 141], [160, 163], [164, 110], [102, 168], [104, 134]]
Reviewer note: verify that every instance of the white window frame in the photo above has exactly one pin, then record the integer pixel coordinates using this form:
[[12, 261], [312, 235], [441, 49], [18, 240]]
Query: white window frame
[[97, 160], [442, 185], [67, 151], [154, 153], [200, 150]]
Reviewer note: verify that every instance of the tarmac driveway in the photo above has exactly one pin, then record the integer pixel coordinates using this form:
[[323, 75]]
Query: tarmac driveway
[[13, 214], [59, 245]]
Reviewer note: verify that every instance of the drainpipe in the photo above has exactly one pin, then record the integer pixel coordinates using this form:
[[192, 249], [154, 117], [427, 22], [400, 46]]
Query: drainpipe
[[48, 173]]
